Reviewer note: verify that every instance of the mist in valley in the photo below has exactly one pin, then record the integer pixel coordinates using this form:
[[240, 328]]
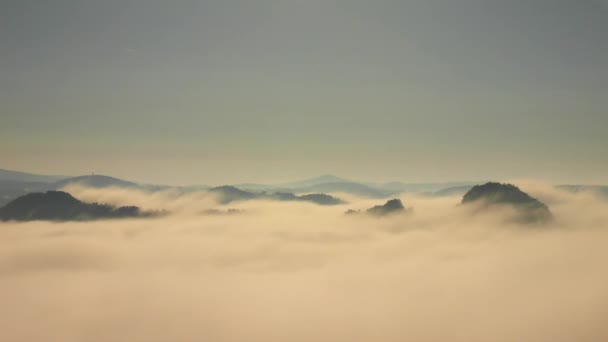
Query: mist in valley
[[290, 271]]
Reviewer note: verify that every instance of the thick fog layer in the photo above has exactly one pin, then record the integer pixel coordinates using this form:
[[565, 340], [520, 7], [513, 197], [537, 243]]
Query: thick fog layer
[[301, 272]]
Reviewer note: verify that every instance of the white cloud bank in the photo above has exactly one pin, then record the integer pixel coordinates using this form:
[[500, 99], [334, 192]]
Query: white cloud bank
[[300, 272]]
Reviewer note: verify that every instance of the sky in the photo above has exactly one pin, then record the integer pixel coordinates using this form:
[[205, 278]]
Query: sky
[[212, 92]]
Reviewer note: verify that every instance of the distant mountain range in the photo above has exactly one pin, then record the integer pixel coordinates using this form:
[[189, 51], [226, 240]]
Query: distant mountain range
[[324, 179], [95, 181], [334, 184], [27, 197], [14, 184], [228, 194], [18, 184], [17, 176]]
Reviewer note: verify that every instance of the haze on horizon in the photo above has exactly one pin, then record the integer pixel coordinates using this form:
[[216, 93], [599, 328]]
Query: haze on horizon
[[256, 91]]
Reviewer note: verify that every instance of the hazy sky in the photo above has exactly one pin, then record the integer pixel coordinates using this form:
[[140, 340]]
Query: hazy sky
[[231, 91]]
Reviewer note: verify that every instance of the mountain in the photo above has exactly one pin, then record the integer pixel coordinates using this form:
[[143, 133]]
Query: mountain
[[324, 179], [101, 181], [393, 206], [61, 206], [492, 194], [95, 181], [323, 184], [17, 176], [331, 184], [352, 188], [390, 207], [10, 189], [259, 187], [321, 199], [15, 183], [228, 194]]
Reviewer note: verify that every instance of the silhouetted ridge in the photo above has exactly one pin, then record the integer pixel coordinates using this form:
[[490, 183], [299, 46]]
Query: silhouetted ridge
[[61, 206], [393, 206], [489, 194], [324, 179], [390, 207], [18, 176], [283, 196], [320, 199], [95, 181], [347, 187], [229, 194]]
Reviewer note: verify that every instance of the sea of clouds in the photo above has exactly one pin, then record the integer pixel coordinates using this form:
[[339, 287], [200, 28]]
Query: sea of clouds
[[291, 271]]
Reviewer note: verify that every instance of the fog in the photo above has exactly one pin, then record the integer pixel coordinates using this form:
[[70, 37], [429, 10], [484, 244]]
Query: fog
[[287, 271]]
